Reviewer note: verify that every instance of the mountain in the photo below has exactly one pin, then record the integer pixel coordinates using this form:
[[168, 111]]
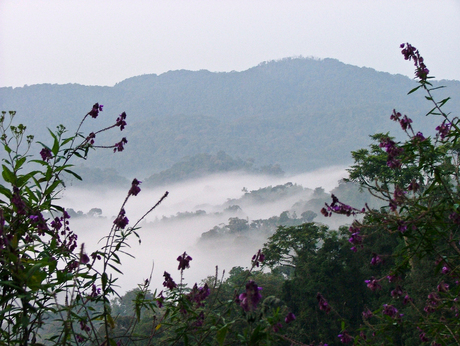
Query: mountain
[[299, 113]]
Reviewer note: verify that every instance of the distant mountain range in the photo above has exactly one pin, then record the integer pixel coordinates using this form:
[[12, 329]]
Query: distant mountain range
[[299, 113]]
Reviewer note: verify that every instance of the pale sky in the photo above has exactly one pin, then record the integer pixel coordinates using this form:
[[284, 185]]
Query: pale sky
[[102, 42]]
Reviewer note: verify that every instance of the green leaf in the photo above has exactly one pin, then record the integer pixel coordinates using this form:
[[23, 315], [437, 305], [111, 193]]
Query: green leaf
[[6, 192], [221, 334], [413, 90], [7, 175], [73, 173], [104, 279], [115, 268], [19, 163], [55, 148]]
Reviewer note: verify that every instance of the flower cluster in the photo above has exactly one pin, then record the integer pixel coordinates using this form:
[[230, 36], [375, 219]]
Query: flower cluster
[[390, 310], [258, 258], [120, 145], [338, 207], [432, 302], [412, 53], [40, 223], [345, 337], [46, 154], [248, 300], [90, 138], [393, 152], [323, 304], [121, 220], [95, 111], [61, 228], [373, 284], [169, 282], [17, 201], [375, 259], [184, 261], [135, 189], [404, 121], [289, 317], [355, 238], [121, 123], [199, 294], [444, 129]]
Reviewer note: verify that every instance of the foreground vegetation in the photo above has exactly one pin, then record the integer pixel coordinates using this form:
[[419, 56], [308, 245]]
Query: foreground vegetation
[[391, 277]]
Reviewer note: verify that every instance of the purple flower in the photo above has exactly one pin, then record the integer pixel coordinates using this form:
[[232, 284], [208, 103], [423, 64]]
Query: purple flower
[[95, 292], [392, 278], [120, 145], [375, 259], [121, 121], [355, 239], [289, 317], [367, 314], [121, 221], [431, 303], [95, 111], [258, 258], [412, 53], [135, 189], [405, 123], [17, 201], [84, 259], [407, 299], [445, 270], [96, 256], [373, 284], [395, 116], [344, 337], [390, 310], [277, 327], [393, 151], [419, 137], [338, 207], [160, 299], [422, 335], [443, 129], [40, 222], [184, 261], [443, 287], [249, 299], [402, 226], [46, 154], [397, 292], [84, 326], [323, 304], [198, 295], [169, 282], [90, 138]]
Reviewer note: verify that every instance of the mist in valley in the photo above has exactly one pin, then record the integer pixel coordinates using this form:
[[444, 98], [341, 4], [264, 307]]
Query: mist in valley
[[191, 209]]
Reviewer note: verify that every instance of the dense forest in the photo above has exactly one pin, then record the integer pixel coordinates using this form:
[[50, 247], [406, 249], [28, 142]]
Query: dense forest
[[299, 113]]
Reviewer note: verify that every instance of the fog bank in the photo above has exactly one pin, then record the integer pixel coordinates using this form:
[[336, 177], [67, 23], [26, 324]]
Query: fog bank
[[165, 235]]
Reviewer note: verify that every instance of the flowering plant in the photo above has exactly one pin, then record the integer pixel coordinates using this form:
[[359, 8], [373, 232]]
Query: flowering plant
[[419, 180]]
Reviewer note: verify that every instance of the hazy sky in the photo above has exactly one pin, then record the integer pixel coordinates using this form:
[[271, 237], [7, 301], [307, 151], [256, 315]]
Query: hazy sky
[[102, 42]]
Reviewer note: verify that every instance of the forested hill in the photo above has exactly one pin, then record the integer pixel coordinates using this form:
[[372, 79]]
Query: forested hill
[[299, 113]]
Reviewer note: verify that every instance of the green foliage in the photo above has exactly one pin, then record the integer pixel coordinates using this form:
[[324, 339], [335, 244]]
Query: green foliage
[[45, 277], [418, 180]]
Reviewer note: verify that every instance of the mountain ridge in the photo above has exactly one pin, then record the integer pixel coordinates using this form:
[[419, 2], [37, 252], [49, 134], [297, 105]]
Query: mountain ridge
[[300, 113]]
